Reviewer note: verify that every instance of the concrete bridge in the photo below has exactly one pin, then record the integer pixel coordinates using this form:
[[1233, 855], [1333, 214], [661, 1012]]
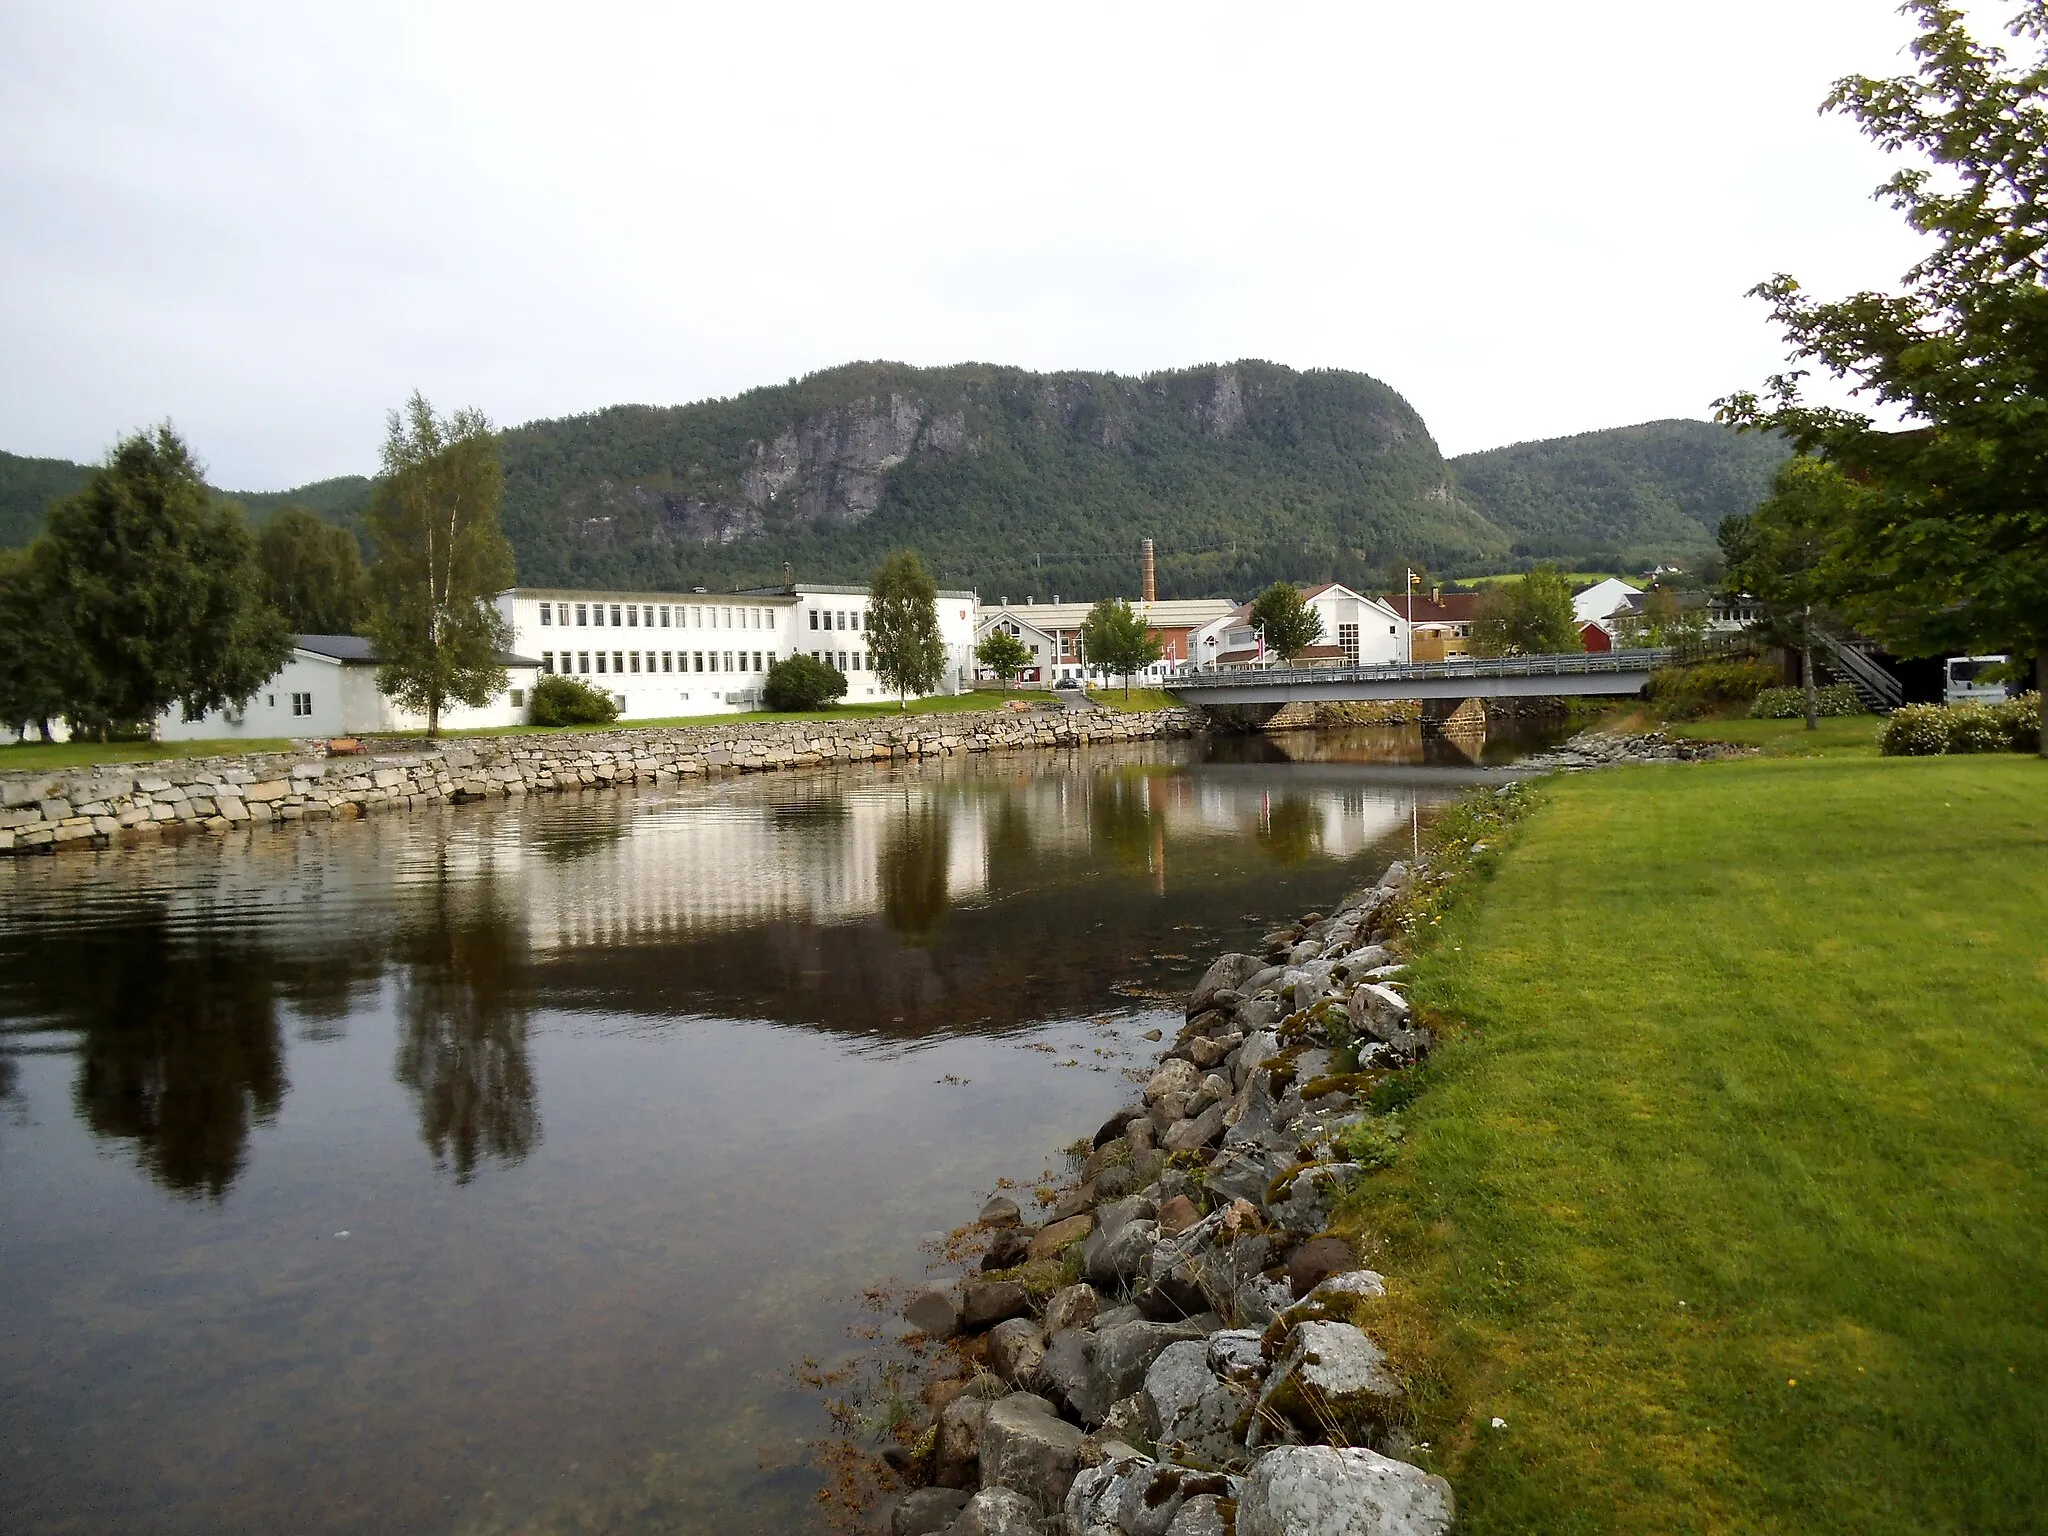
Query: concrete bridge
[[1255, 696]]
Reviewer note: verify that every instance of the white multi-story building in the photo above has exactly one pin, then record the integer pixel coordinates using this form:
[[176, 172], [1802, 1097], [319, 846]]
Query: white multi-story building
[[664, 654]]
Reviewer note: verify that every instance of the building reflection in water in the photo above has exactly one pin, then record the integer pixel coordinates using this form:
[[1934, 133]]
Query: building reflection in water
[[1006, 884]]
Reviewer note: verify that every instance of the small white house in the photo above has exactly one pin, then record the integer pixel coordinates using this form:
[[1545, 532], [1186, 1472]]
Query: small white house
[[1357, 631], [328, 687], [1043, 644], [1603, 600]]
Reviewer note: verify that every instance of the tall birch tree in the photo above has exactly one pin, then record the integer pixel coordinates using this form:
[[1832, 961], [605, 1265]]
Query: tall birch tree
[[438, 557]]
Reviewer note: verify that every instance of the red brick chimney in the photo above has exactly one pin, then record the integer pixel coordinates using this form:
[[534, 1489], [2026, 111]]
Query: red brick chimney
[[1151, 573]]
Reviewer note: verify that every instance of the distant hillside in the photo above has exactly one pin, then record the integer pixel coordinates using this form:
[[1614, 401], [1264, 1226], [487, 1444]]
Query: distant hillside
[[1005, 480], [1014, 482], [1623, 498], [28, 486]]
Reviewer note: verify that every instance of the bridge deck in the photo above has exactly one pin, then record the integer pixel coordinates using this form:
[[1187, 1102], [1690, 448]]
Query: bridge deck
[[1503, 677]]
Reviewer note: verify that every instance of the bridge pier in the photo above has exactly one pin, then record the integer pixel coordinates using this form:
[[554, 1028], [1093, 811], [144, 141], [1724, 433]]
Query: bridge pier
[[1454, 717]]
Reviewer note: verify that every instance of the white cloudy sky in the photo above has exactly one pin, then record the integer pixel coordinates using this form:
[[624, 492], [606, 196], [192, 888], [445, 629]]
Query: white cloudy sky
[[270, 223]]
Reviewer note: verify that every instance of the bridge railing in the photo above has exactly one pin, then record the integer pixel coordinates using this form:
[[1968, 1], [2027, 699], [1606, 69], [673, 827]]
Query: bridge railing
[[1590, 663]]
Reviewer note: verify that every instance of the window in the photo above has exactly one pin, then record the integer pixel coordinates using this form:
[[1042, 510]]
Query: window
[[632, 615], [547, 661], [518, 698], [647, 615], [842, 618], [664, 615], [619, 699], [856, 619], [668, 661], [597, 615], [725, 618], [600, 661], [636, 661], [618, 662], [302, 704], [583, 662], [696, 618], [615, 615], [758, 665], [1347, 640], [547, 613], [814, 622], [582, 616], [270, 701], [698, 657]]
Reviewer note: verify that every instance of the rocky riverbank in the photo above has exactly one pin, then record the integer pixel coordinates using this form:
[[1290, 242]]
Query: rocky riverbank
[[135, 802], [1598, 749], [1181, 1346]]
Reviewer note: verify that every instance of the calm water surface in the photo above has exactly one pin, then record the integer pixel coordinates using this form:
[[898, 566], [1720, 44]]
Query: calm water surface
[[491, 1170]]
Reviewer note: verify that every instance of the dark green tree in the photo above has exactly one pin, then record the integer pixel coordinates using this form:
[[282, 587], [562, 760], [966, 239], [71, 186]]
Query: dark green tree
[[1003, 654], [903, 626], [803, 682], [37, 682], [1116, 641], [1948, 551], [1529, 617], [1290, 625], [438, 560], [312, 573], [155, 582], [1780, 554]]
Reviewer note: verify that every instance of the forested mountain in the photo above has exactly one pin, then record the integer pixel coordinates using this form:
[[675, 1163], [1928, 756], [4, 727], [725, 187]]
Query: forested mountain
[[1624, 498], [1014, 482]]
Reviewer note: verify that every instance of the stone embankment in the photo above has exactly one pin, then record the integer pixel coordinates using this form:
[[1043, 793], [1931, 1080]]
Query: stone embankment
[[132, 802], [1182, 1346], [1598, 749]]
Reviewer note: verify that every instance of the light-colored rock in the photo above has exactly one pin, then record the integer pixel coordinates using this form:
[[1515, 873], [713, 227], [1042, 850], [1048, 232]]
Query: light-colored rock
[[984, 1303], [1312, 1196], [1027, 1447], [1202, 1417], [1203, 1129], [1121, 1355], [1226, 972], [1331, 1375], [999, 1512], [1200, 1516], [1321, 1490], [1096, 1496], [1014, 1349], [957, 1453], [1001, 1211], [1075, 1306], [1174, 1076], [1258, 1049], [1112, 1256]]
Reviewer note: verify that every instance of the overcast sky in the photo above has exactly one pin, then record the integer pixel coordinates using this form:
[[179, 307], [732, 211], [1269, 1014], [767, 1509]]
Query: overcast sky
[[270, 223]]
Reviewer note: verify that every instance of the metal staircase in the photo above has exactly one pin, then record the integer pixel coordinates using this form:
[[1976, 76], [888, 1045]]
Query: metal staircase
[[1877, 688]]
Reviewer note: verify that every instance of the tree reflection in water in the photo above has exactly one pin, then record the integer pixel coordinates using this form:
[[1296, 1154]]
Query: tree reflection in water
[[463, 1019], [1290, 828], [180, 1050], [911, 869], [1120, 815]]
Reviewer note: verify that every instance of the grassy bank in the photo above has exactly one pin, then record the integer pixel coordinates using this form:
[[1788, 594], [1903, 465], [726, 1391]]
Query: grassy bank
[[1731, 1203]]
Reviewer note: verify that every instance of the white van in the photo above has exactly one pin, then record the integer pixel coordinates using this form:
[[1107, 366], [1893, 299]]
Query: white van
[[1960, 685]]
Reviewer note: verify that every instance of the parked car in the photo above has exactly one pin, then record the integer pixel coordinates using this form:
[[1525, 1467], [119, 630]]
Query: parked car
[[1069, 684], [1960, 685]]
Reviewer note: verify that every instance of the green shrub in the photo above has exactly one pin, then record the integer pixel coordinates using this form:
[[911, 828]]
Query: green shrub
[[558, 700], [1686, 693], [1927, 730], [1835, 700], [803, 682]]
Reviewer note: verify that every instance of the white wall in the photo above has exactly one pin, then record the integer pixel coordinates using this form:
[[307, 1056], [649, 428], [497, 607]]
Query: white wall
[[683, 654], [336, 707]]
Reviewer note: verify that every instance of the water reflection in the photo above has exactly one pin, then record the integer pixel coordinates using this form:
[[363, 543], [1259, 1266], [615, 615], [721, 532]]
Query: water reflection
[[463, 1009]]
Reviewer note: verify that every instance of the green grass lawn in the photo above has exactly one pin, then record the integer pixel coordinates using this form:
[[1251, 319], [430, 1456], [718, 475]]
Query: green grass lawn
[[1842, 736], [1733, 1201], [34, 756]]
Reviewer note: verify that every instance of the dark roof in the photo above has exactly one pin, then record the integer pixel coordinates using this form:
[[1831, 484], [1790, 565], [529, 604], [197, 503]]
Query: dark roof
[[1451, 608], [354, 648]]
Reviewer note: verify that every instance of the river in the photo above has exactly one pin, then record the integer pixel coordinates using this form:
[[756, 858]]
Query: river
[[492, 1169]]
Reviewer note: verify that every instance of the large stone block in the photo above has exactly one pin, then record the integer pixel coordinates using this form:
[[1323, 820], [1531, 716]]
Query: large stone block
[[1322, 1490]]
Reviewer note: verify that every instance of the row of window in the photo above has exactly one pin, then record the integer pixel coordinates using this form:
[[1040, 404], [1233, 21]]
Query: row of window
[[845, 661], [663, 661], [651, 615], [302, 703], [835, 618]]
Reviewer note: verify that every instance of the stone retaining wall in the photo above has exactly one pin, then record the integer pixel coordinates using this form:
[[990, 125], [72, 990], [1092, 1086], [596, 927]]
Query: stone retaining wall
[[117, 803]]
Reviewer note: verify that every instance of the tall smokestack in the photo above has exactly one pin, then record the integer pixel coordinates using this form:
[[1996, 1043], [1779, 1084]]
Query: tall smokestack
[[1151, 573]]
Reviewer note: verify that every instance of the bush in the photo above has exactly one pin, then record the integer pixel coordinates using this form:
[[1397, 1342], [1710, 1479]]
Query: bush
[[558, 700], [803, 682], [1837, 699], [1928, 730], [1686, 693]]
